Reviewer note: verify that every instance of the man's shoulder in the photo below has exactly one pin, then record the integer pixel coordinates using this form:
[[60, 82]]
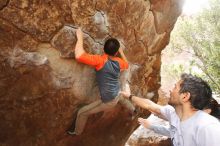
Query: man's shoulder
[[207, 123], [206, 119], [208, 129]]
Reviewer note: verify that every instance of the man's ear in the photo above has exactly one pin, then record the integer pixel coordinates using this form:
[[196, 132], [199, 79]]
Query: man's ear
[[186, 96]]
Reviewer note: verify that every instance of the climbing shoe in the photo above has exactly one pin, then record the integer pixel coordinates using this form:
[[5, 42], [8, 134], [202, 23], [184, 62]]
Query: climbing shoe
[[73, 133]]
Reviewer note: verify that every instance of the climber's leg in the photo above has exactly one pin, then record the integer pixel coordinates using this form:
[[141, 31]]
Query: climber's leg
[[79, 112], [72, 127], [84, 114]]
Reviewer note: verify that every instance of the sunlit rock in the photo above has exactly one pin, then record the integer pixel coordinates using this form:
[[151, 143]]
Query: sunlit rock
[[41, 84]]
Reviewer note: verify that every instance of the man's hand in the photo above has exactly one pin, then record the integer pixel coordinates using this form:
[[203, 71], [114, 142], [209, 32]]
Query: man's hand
[[143, 103], [79, 34], [124, 94]]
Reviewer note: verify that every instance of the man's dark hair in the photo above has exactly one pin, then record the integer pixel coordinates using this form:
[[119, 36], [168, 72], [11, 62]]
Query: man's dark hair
[[111, 46], [200, 91]]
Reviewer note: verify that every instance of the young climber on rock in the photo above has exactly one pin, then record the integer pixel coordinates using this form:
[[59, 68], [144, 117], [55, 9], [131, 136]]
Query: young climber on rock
[[108, 68]]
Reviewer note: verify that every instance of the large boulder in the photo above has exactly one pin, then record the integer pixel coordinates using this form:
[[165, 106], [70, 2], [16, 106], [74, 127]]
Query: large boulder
[[41, 84]]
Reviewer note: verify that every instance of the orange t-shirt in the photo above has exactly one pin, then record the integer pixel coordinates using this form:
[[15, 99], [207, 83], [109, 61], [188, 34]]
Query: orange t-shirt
[[98, 61]]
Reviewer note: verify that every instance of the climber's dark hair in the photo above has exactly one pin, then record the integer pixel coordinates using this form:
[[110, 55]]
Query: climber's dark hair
[[111, 46], [200, 91]]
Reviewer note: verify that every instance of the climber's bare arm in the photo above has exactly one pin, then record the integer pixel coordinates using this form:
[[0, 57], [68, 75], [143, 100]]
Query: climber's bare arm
[[79, 50], [122, 55], [144, 103]]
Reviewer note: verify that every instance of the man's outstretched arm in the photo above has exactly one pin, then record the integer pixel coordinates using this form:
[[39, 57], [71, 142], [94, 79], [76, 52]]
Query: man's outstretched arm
[[79, 50], [160, 129], [143, 103]]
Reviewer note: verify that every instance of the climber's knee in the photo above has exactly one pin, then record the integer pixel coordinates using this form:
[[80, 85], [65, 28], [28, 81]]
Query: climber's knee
[[84, 114]]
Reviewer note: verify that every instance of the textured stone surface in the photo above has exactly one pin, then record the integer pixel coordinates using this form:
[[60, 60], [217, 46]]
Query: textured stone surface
[[41, 84]]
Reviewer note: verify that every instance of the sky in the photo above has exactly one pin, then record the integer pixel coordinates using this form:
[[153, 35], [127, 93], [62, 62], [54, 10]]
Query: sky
[[192, 7]]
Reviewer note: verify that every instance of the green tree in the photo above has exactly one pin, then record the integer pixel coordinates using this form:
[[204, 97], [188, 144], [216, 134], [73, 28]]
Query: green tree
[[199, 36]]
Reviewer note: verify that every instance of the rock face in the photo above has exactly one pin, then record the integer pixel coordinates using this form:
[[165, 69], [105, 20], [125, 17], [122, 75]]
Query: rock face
[[41, 84]]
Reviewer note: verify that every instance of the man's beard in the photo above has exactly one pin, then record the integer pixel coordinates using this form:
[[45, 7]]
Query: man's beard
[[174, 103], [171, 102]]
